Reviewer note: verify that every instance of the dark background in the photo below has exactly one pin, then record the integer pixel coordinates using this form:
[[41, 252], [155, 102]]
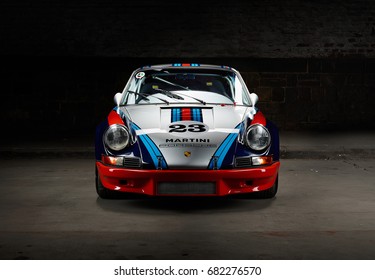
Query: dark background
[[312, 63]]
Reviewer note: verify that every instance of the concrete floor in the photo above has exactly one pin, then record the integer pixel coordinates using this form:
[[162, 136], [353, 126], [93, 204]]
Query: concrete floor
[[324, 210]]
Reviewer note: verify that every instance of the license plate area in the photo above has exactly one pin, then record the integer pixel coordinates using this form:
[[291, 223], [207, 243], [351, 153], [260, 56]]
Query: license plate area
[[186, 188]]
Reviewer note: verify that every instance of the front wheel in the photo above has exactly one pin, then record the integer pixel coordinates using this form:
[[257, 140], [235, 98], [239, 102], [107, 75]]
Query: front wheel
[[269, 193]]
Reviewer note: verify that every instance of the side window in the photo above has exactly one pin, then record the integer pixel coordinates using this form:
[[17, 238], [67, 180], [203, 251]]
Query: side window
[[133, 86], [240, 93]]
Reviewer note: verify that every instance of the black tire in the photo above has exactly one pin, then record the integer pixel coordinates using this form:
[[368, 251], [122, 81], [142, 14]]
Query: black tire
[[101, 190], [269, 193]]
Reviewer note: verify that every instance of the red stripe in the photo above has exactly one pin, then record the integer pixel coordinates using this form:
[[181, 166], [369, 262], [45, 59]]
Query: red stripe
[[185, 64], [259, 118], [186, 114], [114, 118]]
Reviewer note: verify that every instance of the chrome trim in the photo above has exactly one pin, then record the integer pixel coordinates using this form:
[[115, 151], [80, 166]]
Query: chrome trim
[[106, 134], [246, 138]]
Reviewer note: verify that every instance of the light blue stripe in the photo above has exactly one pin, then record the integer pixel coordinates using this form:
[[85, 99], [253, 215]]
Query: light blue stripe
[[197, 114], [174, 115], [223, 145], [232, 137], [151, 148], [223, 148], [178, 113], [222, 151], [150, 144], [194, 113]]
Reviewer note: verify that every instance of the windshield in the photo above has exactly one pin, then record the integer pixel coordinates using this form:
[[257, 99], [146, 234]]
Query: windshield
[[185, 85]]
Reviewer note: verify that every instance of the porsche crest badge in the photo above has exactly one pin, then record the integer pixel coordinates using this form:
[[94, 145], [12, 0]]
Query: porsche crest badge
[[187, 154]]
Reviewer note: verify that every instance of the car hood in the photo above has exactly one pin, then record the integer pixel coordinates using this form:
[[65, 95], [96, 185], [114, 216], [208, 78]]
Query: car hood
[[187, 136]]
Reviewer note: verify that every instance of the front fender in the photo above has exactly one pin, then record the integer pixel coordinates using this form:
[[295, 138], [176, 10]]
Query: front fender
[[275, 141], [99, 145]]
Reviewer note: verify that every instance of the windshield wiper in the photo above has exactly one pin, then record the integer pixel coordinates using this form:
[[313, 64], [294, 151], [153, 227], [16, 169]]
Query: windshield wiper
[[168, 93], [145, 96], [197, 99], [169, 83], [177, 95]]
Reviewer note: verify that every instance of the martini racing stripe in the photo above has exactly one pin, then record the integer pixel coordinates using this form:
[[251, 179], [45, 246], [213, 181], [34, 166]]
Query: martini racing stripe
[[151, 148], [223, 149], [176, 114], [186, 114], [197, 114]]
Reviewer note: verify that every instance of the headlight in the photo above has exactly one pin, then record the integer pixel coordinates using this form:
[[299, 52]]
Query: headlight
[[257, 137], [116, 137]]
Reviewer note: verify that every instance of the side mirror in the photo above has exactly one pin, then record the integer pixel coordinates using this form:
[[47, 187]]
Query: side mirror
[[117, 98], [254, 99]]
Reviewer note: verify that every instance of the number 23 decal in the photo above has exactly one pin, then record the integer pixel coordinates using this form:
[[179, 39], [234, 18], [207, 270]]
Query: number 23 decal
[[183, 128]]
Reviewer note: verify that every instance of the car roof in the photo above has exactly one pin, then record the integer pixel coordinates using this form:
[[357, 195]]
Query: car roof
[[186, 65]]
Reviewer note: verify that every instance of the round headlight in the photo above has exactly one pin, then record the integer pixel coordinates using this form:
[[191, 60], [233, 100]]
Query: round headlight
[[257, 137], [116, 137]]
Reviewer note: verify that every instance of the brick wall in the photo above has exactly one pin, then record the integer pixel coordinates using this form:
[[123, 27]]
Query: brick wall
[[318, 94], [193, 28]]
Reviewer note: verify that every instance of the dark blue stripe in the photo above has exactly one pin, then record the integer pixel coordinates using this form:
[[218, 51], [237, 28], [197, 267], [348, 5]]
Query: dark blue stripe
[[200, 118]]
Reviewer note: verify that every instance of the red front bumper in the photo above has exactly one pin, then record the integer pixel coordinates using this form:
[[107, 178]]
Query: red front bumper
[[227, 182]]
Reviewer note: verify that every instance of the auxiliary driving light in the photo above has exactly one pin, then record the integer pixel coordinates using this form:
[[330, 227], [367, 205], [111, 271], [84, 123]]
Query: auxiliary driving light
[[119, 161], [261, 160]]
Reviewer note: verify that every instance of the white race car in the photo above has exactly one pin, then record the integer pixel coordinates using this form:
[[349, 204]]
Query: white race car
[[186, 130]]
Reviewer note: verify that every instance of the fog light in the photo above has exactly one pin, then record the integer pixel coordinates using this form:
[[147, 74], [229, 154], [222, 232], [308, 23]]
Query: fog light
[[261, 160], [119, 161]]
